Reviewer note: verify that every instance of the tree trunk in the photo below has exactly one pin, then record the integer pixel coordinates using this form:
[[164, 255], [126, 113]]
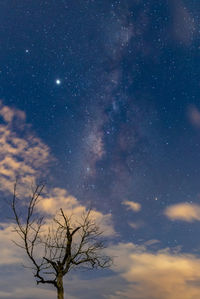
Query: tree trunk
[[60, 289], [60, 293]]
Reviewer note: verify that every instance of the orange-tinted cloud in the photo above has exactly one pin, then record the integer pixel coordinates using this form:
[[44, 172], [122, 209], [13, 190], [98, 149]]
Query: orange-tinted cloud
[[21, 152], [131, 205], [194, 116], [160, 275], [183, 211], [59, 198]]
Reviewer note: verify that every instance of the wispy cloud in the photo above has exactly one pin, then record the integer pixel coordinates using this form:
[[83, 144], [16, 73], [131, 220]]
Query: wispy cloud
[[132, 205], [21, 152], [183, 211], [194, 116], [9, 114], [136, 225], [184, 23]]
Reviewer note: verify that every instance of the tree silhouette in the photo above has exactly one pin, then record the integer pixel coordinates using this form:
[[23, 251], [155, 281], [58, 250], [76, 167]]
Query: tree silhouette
[[56, 247]]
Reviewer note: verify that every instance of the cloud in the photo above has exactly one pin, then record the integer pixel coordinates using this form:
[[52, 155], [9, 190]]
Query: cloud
[[151, 242], [17, 284], [12, 256], [138, 273], [9, 114], [183, 211], [194, 116], [9, 253], [136, 225], [21, 152], [60, 198], [184, 23], [160, 275], [131, 205]]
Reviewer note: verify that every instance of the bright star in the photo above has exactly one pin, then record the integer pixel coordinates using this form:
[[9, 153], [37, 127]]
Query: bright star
[[58, 82], [88, 169]]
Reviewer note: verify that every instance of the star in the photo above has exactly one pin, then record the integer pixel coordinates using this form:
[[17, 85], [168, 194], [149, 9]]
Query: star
[[58, 82], [88, 169]]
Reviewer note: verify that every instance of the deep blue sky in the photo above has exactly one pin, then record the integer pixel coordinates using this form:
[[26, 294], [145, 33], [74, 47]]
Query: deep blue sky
[[123, 121]]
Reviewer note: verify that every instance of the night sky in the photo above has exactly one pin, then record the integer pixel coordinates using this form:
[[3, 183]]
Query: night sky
[[101, 99]]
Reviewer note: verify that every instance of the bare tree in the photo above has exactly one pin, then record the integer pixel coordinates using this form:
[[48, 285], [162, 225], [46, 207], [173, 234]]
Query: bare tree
[[54, 249]]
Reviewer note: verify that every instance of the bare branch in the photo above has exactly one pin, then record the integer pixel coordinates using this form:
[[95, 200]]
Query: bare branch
[[64, 245]]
